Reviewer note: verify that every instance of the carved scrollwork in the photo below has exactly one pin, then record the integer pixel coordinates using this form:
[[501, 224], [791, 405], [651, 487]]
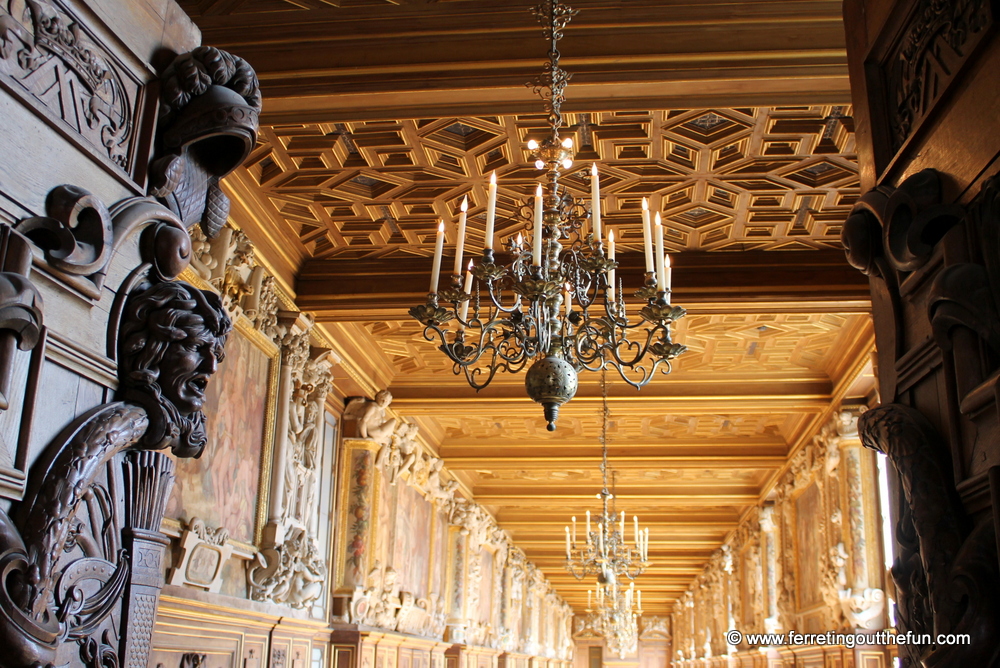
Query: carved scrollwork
[[69, 558], [97, 96], [76, 236]]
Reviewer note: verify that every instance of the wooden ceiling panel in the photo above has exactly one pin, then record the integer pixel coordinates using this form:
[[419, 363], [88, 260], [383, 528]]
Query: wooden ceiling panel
[[725, 179]]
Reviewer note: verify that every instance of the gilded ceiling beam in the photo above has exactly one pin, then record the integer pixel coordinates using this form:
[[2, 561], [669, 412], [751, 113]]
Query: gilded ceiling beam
[[428, 60], [385, 289], [646, 462]]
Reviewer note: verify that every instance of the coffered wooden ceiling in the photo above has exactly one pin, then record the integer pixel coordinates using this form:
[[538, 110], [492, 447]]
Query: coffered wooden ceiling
[[731, 117]]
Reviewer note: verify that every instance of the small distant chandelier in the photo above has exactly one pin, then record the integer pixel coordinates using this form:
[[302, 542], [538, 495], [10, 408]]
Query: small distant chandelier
[[605, 553], [616, 616], [557, 305]]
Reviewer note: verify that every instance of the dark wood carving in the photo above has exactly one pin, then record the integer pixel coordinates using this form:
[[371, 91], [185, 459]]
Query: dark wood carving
[[946, 575], [925, 58], [80, 235], [85, 542], [52, 61], [210, 103], [934, 271]]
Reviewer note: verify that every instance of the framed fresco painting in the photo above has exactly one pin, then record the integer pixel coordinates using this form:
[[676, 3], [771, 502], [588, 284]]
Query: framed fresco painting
[[229, 485]]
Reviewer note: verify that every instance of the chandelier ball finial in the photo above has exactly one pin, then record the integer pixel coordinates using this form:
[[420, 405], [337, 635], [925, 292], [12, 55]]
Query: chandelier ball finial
[[551, 381]]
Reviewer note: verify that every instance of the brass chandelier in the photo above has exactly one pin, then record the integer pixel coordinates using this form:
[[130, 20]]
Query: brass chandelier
[[556, 300]]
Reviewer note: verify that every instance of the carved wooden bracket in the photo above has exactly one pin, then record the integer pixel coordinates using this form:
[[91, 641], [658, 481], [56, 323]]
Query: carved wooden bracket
[[210, 102]]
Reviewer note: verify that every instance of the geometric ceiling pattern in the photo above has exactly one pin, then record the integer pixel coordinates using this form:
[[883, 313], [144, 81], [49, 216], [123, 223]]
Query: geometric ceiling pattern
[[780, 178]]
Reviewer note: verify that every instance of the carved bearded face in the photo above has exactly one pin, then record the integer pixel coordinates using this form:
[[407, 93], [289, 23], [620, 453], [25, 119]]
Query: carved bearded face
[[171, 342], [186, 368]]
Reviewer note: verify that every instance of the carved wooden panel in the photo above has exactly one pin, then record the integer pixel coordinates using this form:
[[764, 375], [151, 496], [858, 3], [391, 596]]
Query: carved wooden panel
[[66, 74], [725, 179], [925, 57]]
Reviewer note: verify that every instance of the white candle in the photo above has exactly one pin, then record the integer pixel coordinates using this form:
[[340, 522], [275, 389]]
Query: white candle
[[567, 298], [574, 529], [638, 596], [611, 272], [467, 288], [660, 275], [666, 268], [600, 538], [645, 545], [595, 202], [567, 542], [589, 605], [536, 246], [491, 209], [635, 525], [438, 250], [647, 235], [621, 525], [460, 244]]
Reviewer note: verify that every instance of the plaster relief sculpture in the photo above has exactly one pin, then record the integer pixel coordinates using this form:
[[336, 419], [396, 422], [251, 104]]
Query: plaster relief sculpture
[[439, 490], [372, 421], [863, 609], [291, 573], [290, 568], [399, 455], [171, 338], [210, 101], [204, 553]]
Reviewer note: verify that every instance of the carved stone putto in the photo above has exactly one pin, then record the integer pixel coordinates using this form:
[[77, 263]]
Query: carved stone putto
[[292, 573], [372, 421]]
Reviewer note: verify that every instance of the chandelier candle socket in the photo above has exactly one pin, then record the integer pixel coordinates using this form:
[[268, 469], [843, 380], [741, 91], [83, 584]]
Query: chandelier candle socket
[[554, 307]]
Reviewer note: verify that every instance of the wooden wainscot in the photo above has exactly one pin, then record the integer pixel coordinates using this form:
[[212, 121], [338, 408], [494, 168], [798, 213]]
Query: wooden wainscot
[[236, 632], [356, 648], [467, 656]]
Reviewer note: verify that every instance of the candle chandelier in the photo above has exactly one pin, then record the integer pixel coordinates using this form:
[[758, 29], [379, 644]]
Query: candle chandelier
[[605, 553], [556, 301], [616, 617]]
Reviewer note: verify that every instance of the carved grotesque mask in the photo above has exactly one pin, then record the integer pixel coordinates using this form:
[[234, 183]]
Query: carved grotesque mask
[[170, 344]]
